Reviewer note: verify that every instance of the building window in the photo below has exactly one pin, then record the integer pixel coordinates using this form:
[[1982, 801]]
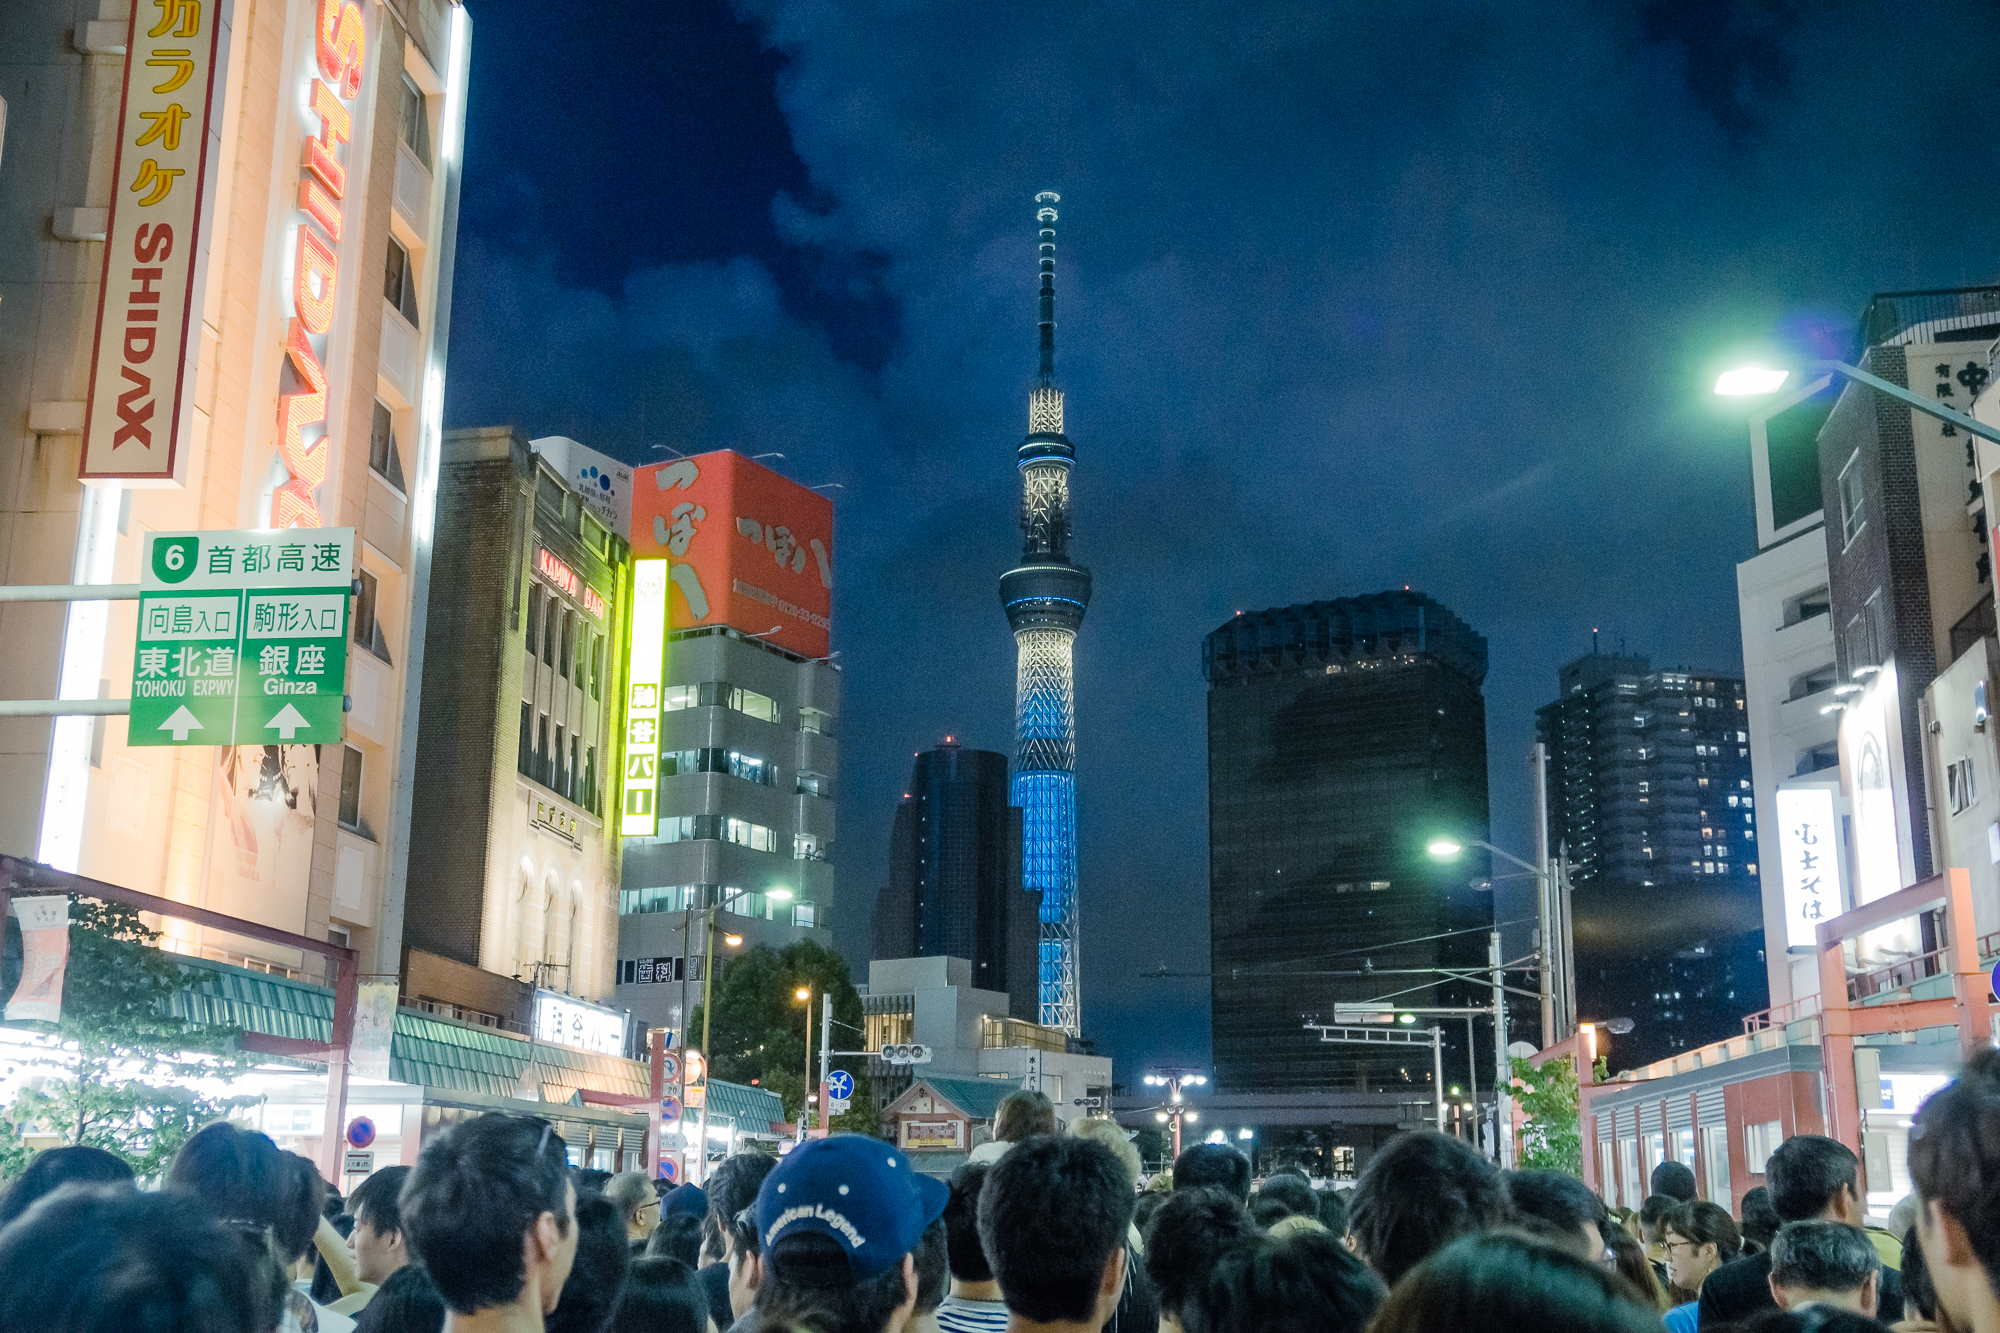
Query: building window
[[399, 282], [808, 847], [750, 769], [813, 720], [575, 775], [803, 915], [560, 777], [1715, 1163], [534, 614], [674, 698], [542, 761], [1851, 521], [526, 762], [812, 784], [350, 786], [1960, 786], [596, 666], [752, 704], [1759, 1142], [590, 779], [745, 834], [568, 637], [383, 456], [367, 628], [413, 122], [549, 622]]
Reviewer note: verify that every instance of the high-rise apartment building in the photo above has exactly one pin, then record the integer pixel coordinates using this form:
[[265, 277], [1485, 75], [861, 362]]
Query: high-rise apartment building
[[1343, 736], [523, 678], [955, 875], [228, 233], [726, 795], [1650, 797]]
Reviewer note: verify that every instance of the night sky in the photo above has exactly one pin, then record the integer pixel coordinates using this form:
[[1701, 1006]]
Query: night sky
[[1350, 296]]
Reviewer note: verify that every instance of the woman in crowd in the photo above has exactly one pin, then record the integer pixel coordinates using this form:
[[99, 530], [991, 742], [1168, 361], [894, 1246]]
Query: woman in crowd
[[1021, 1115], [1503, 1282], [662, 1296], [1629, 1261], [53, 1168], [406, 1302], [1701, 1237]]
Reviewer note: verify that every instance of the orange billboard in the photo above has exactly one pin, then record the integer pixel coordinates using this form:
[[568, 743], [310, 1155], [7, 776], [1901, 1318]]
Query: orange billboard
[[744, 547]]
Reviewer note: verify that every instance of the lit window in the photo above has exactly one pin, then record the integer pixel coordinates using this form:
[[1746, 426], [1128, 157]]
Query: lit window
[[399, 282], [413, 122], [808, 847], [1851, 521], [674, 698], [802, 915], [1645, 786], [754, 836], [1732, 800]]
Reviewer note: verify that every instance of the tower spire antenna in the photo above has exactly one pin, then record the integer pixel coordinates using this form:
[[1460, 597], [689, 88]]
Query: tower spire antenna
[[1045, 215]]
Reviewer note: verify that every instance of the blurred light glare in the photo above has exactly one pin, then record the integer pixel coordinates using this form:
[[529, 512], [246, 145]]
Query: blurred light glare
[[1445, 847], [1749, 381]]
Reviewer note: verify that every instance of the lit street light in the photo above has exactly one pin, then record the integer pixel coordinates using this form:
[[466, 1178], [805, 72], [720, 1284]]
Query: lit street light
[[1174, 1111], [1756, 381]]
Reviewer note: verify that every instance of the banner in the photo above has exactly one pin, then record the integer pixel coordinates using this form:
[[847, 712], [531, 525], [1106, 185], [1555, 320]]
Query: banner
[[374, 1026], [44, 954]]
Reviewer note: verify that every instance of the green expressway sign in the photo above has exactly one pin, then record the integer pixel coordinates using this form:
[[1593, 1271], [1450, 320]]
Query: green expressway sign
[[242, 637]]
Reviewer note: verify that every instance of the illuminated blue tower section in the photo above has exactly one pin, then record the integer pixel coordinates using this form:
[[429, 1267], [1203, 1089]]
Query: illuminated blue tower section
[[1045, 597]]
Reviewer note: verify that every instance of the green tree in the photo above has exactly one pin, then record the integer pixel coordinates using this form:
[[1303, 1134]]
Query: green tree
[[759, 1031], [119, 1077], [1553, 1136]]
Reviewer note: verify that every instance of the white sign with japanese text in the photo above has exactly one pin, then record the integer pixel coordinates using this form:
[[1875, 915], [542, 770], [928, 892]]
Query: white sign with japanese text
[[1809, 849], [563, 1021]]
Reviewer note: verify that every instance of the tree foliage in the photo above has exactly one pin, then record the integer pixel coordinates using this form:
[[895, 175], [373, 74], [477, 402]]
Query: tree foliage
[[759, 1030], [1553, 1135], [119, 1076]]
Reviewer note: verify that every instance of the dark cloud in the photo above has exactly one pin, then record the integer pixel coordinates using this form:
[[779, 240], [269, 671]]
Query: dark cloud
[[1350, 296]]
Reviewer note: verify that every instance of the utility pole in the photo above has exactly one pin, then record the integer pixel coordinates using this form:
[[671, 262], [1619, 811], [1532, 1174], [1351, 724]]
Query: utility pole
[[1548, 929], [1503, 1074]]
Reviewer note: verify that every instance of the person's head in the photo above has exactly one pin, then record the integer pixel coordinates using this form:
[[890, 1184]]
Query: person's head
[[1149, 1203], [1701, 1237], [1307, 1282], [1759, 1220], [239, 1175], [1812, 1177], [637, 1202], [52, 1168], [1654, 1214], [1825, 1263], [732, 1187], [1810, 1319], [1420, 1193], [933, 1266], [838, 1221], [590, 1180], [1052, 1218], [1213, 1166], [1022, 1115], [1290, 1191], [603, 1253], [1955, 1165], [746, 1261], [1113, 1136], [684, 1200], [1629, 1261], [97, 1258], [1576, 1215], [1508, 1283], [661, 1296], [677, 1237], [490, 1213], [963, 1255], [1333, 1211], [1188, 1233], [1918, 1293], [1675, 1180], [377, 1238], [406, 1302]]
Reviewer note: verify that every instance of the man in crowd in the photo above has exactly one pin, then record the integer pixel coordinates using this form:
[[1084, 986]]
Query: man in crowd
[[1825, 1263], [1810, 1178], [1213, 1166], [490, 1213], [1575, 1217], [731, 1188], [839, 1220], [377, 1238], [1955, 1162], [1186, 1236], [1052, 1220], [1675, 1180], [974, 1304], [1419, 1194]]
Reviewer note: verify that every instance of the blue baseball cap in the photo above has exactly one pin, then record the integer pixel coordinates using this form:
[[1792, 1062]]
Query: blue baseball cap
[[857, 1191], [689, 1199]]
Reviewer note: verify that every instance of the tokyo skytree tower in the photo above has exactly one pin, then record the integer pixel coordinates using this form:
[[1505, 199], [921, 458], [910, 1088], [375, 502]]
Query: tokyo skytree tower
[[1045, 597]]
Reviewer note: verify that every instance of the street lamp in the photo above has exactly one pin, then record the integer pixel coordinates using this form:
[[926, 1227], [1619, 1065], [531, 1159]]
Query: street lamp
[[1756, 381], [782, 895], [804, 995], [1173, 1110]]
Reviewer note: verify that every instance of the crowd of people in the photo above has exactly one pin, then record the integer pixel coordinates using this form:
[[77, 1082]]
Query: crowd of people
[[494, 1231]]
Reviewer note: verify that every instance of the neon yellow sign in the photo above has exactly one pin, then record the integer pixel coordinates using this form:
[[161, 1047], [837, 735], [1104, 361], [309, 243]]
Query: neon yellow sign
[[642, 705]]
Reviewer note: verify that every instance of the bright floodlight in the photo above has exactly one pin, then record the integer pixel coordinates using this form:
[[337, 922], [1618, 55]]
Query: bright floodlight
[[778, 895], [1160, 1116], [1198, 1080], [1406, 1018], [1443, 848], [1748, 381], [802, 993], [1245, 1134]]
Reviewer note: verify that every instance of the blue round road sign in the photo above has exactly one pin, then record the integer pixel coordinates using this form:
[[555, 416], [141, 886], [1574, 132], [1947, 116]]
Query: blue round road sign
[[670, 1170], [670, 1110], [360, 1132], [839, 1085], [1996, 981]]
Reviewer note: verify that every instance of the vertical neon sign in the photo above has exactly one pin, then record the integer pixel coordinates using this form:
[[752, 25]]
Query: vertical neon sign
[[642, 709]]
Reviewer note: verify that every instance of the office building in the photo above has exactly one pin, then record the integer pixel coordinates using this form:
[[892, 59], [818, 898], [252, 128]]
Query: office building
[[1045, 596], [1342, 737], [955, 875], [306, 164], [727, 796], [1650, 797], [530, 597]]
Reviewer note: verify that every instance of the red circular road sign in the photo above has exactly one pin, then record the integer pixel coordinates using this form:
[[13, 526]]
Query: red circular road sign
[[360, 1132], [670, 1110], [670, 1068]]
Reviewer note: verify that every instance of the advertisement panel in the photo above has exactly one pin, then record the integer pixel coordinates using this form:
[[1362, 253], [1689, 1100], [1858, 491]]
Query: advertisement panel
[[1871, 763], [603, 483], [639, 785], [927, 1135], [1809, 850], [563, 1021], [744, 547], [142, 367]]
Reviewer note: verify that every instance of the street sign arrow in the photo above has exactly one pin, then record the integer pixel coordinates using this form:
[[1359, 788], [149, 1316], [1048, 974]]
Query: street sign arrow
[[288, 721], [181, 722]]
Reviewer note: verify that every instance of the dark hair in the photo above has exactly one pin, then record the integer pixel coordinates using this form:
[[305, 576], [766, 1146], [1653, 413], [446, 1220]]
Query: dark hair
[[818, 1290], [475, 1192], [1628, 1256], [1506, 1283], [1760, 1220], [1213, 1166], [1657, 1211], [1023, 1115], [239, 1175], [325, 1288], [1142, 1212], [591, 1179], [1805, 1173], [1675, 1180], [677, 1237], [662, 1296], [602, 1255], [1812, 1319], [1707, 1223], [1291, 1191], [963, 1254], [1267, 1213], [1051, 1214], [1822, 1256], [1333, 1211], [733, 1185], [1951, 1159], [1188, 1233], [406, 1302], [1558, 1198], [933, 1268], [1918, 1290], [1308, 1282], [378, 1200], [107, 1259], [743, 1235], [52, 1168], [1417, 1195]]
